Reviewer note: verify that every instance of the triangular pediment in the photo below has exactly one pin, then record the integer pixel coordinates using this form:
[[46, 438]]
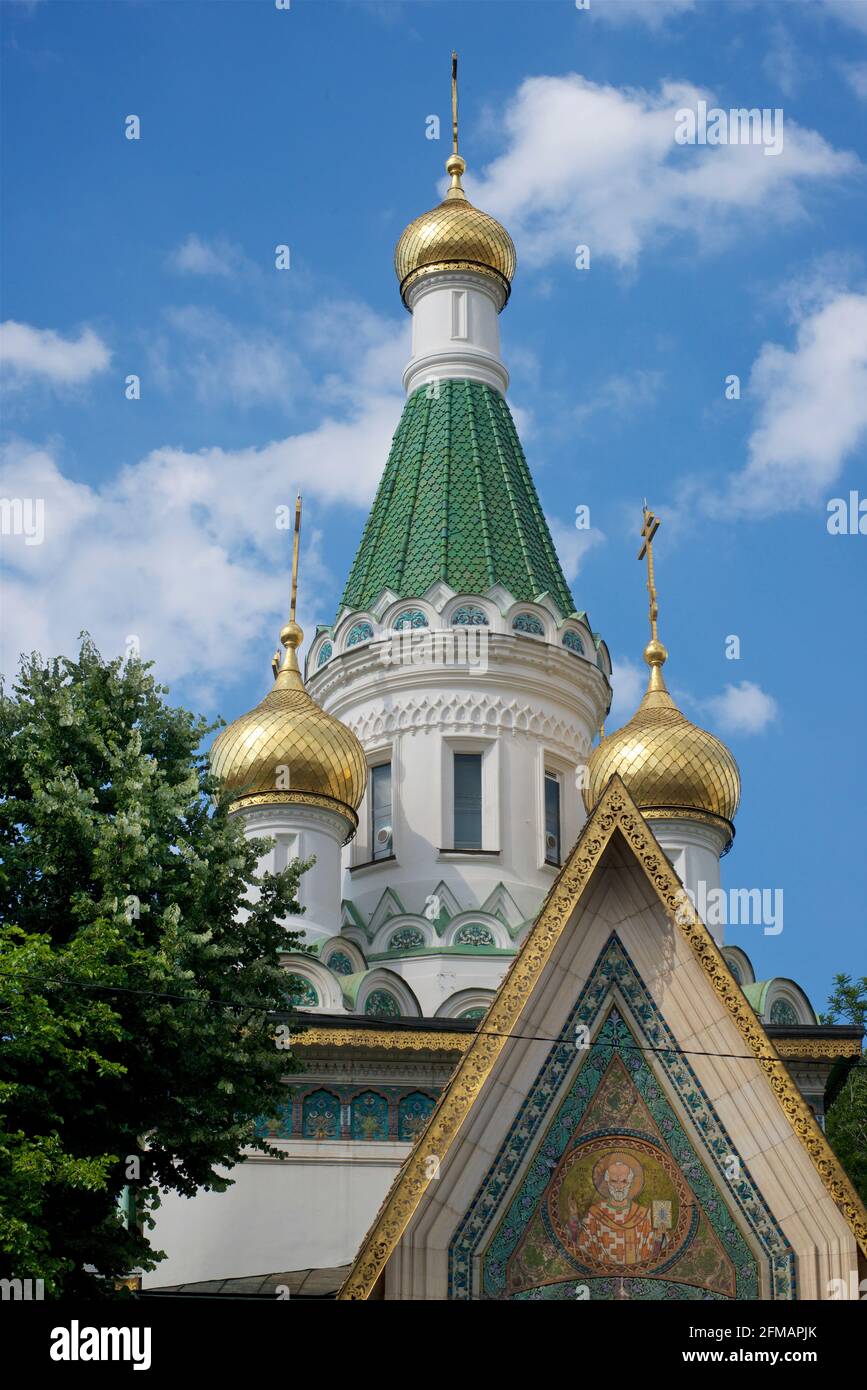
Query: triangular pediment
[[617, 978]]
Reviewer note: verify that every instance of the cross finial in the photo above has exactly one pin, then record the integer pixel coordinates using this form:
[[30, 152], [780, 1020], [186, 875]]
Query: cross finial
[[295, 544], [454, 102], [648, 531]]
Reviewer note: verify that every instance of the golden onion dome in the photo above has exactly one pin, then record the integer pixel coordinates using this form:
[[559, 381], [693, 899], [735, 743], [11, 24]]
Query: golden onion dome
[[455, 236], [667, 764], [288, 749]]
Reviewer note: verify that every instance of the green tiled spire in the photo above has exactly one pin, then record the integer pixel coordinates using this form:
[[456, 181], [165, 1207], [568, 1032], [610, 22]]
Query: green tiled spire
[[456, 503]]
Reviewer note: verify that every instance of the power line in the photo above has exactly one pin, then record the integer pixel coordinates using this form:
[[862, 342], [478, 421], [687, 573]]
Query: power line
[[396, 1025]]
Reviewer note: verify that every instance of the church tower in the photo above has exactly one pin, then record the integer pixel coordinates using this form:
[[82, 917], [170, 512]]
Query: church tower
[[458, 656], [681, 777]]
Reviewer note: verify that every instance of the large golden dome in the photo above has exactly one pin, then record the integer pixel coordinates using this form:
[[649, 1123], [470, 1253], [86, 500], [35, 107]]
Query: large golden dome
[[667, 764], [454, 236], [288, 749]]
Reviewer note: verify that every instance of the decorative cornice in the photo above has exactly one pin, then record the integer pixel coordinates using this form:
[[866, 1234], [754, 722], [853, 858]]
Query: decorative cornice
[[390, 1041], [453, 712], [277, 799], [818, 1047], [614, 811]]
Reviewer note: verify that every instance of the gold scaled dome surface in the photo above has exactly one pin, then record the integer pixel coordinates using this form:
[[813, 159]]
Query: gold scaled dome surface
[[455, 236], [288, 748], [667, 763]]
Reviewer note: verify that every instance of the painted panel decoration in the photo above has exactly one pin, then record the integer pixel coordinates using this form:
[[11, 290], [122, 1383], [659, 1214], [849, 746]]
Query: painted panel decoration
[[369, 1116], [469, 616], [302, 994], [573, 642], [361, 632], [381, 1004], [277, 1126], [412, 1115], [783, 1012], [474, 934], [406, 939], [599, 1184], [410, 617], [320, 1116], [528, 622], [326, 651], [340, 963]]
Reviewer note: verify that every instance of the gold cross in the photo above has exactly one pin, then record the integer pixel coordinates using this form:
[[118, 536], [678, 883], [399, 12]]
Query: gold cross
[[455, 101], [648, 531], [295, 558]]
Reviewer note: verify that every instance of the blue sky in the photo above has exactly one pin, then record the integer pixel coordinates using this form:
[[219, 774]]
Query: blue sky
[[307, 127]]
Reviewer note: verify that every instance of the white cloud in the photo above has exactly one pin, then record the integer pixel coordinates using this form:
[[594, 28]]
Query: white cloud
[[812, 410], [196, 256], [622, 393], [653, 13], [743, 709], [39, 354], [629, 682], [856, 76], [182, 549], [598, 165], [572, 545], [334, 355], [852, 12]]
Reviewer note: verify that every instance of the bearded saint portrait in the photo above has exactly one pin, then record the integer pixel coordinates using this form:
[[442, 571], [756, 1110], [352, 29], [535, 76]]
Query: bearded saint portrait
[[617, 1229]]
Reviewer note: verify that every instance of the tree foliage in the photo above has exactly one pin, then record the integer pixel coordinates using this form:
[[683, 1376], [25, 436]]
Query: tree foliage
[[139, 969], [846, 1120]]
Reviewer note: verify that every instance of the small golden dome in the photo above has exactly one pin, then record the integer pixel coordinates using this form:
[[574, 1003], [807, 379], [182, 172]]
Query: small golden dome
[[288, 749], [454, 236], [666, 763]]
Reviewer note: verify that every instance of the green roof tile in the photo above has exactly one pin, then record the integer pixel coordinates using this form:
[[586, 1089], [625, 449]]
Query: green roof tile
[[456, 503]]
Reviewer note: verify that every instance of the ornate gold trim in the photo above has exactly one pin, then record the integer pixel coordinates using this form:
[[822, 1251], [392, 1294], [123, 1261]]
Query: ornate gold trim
[[319, 799], [818, 1047], [424, 270], [419, 1041], [614, 811]]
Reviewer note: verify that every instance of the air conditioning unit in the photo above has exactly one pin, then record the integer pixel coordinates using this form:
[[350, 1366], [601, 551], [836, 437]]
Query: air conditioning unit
[[383, 836]]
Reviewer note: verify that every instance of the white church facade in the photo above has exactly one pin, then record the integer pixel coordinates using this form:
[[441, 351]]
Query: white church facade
[[490, 968]]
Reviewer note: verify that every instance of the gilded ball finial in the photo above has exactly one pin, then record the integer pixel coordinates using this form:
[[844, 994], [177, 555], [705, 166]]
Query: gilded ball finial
[[655, 654], [456, 164], [292, 635]]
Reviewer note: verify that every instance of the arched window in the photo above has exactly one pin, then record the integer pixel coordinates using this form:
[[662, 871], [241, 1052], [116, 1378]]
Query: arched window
[[573, 642], [320, 1116], [735, 969], [474, 934], [469, 616], [528, 622], [325, 654], [478, 1012], [369, 1116], [412, 1115], [381, 1004], [302, 994], [410, 617], [362, 632], [783, 1012], [406, 939], [340, 963]]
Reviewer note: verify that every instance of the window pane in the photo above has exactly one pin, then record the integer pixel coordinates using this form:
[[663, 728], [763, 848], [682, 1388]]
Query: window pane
[[552, 818], [468, 801], [380, 802]]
